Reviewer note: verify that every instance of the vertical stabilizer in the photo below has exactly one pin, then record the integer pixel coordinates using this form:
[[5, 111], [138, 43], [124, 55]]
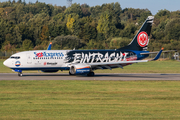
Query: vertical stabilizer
[[141, 40]]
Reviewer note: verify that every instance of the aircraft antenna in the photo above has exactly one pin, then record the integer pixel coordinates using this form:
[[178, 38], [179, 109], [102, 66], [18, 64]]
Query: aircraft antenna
[[69, 3]]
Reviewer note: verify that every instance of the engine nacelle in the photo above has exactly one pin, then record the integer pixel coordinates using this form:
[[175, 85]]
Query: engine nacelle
[[80, 69], [49, 71]]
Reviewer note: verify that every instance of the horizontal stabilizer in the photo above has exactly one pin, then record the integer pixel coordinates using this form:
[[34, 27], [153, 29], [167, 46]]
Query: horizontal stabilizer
[[146, 53]]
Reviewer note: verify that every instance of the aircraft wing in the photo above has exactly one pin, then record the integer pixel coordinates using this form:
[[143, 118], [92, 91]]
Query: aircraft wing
[[103, 65], [113, 64], [122, 63], [79, 68]]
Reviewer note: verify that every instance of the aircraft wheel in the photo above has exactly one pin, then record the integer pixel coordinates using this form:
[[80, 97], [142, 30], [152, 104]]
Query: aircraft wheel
[[90, 74], [20, 74]]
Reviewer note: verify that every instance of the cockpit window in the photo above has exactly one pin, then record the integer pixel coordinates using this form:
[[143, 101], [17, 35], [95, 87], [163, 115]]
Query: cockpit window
[[15, 57]]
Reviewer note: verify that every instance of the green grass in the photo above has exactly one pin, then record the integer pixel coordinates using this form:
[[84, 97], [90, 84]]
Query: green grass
[[92, 100], [168, 66]]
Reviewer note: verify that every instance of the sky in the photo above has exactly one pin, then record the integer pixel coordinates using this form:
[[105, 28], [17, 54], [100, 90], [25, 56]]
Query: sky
[[153, 5]]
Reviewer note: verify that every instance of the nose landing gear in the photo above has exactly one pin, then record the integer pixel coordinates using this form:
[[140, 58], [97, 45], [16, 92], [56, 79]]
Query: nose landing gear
[[20, 74]]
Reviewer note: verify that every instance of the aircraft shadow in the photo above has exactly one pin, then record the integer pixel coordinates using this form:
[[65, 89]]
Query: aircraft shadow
[[127, 76]]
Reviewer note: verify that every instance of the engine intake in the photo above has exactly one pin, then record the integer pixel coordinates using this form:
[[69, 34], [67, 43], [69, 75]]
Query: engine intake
[[80, 69]]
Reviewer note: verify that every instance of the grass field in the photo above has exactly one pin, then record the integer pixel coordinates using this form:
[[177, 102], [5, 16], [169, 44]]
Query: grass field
[[77, 100], [92, 100], [169, 66]]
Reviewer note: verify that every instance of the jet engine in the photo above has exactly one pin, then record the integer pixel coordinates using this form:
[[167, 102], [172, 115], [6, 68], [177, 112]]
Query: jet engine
[[80, 69]]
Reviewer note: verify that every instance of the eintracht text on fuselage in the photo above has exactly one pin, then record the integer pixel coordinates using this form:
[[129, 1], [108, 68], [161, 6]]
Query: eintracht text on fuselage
[[84, 61]]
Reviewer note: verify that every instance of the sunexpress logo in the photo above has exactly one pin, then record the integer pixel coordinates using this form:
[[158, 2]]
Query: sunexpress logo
[[17, 63], [49, 54]]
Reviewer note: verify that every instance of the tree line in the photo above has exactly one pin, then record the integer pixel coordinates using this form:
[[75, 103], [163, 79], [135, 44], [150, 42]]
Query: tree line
[[28, 26]]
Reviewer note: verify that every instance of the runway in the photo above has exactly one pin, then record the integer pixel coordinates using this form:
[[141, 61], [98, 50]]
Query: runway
[[98, 76]]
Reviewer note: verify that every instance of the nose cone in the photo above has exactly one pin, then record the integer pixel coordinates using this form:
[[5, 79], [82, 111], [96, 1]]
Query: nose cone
[[6, 63]]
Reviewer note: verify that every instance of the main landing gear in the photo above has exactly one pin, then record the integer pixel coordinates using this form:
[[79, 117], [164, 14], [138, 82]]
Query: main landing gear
[[90, 74]]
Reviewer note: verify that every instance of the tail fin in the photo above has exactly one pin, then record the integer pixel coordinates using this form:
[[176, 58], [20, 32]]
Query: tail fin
[[141, 40]]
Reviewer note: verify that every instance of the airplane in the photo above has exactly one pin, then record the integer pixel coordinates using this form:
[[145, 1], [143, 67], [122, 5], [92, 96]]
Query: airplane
[[79, 62]]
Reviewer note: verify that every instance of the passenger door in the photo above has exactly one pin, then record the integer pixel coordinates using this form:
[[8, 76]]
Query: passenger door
[[29, 58]]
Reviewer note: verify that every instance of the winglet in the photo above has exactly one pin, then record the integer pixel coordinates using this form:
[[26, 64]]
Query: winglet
[[49, 47], [158, 55]]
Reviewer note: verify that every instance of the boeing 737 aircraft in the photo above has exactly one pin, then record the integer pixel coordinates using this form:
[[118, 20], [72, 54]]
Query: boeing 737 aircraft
[[84, 61]]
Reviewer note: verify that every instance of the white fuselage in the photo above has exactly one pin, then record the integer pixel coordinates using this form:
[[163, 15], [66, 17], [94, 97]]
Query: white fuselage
[[37, 60]]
